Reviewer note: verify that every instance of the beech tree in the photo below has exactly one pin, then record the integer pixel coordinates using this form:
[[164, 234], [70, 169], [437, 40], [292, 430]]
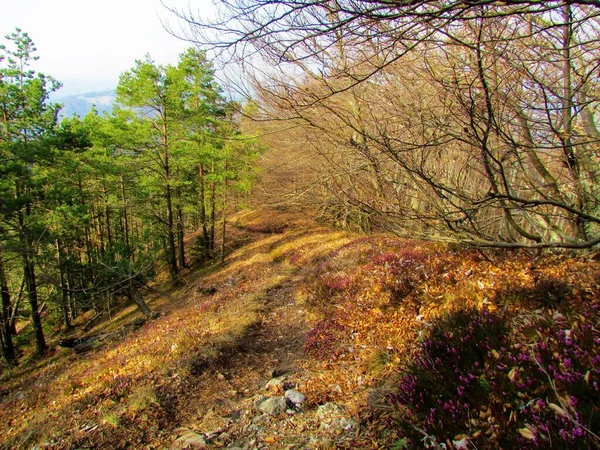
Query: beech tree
[[469, 121]]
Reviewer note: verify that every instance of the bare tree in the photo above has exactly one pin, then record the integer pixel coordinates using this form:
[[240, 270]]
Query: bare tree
[[459, 120]]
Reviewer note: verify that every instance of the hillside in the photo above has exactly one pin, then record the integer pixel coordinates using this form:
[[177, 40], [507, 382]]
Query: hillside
[[81, 104], [377, 342]]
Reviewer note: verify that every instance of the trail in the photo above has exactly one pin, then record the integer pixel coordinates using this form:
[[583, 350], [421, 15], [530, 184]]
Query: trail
[[226, 393]]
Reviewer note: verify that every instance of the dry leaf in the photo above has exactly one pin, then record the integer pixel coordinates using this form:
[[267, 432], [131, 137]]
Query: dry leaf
[[558, 410], [526, 433]]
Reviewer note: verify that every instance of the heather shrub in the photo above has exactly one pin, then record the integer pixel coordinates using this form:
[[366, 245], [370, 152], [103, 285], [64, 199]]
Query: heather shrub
[[323, 339], [557, 378], [402, 271], [326, 287], [484, 381], [446, 383]]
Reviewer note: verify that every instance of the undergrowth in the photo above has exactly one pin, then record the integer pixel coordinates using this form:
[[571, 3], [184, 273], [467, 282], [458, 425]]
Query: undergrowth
[[426, 346], [479, 353]]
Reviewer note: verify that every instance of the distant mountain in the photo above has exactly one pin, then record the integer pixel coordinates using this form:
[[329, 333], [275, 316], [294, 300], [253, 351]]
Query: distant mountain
[[81, 104]]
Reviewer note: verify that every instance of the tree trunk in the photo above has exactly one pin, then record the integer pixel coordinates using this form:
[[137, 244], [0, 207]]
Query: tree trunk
[[8, 350], [205, 240], [139, 300], [212, 209], [224, 212], [124, 218], [27, 253], [107, 218], [31, 285], [14, 310], [180, 232], [63, 284], [171, 248]]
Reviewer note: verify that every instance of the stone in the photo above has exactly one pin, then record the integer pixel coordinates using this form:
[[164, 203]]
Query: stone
[[338, 424], [276, 385], [258, 401], [258, 419], [273, 406], [294, 397], [188, 441], [329, 409]]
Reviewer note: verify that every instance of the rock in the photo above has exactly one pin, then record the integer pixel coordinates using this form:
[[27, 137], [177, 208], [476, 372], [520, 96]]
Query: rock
[[258, 401], [273, 406], [276, 385], [189, 440], [258, 419], [333, 419], [294, 397], [328, 410], [338, 425]]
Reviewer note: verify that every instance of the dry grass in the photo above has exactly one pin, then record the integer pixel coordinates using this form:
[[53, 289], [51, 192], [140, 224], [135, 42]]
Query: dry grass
[[137, 390]]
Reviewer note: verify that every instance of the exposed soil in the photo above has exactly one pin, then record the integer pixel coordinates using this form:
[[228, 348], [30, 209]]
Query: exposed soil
[[226, 390]]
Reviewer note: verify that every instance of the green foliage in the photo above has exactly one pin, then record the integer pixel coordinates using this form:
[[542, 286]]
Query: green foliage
[[90, 205]]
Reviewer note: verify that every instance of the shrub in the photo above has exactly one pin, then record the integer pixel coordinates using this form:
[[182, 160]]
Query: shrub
[[402, 271], [325, 287], [447, 381], [468, 381]]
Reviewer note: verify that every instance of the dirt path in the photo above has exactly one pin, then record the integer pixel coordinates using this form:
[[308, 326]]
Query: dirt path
[[226, 394], [278, 341]]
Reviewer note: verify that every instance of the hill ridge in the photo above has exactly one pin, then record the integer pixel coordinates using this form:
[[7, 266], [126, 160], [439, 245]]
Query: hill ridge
[[310, 337]]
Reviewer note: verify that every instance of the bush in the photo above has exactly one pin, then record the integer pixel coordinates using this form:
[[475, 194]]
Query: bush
[[478, 379], [402, 271]]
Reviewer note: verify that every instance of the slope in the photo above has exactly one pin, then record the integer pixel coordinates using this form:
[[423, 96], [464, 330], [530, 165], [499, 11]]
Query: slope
[[345, 321]]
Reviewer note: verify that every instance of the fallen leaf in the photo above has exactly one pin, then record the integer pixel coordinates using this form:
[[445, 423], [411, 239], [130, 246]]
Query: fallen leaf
[[526, 433]]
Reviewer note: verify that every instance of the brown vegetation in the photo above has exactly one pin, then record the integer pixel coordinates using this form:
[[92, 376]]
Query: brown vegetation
[[369, 302]]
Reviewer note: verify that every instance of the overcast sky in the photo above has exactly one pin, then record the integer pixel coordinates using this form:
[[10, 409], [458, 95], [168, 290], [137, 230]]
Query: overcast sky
[[86, 44]]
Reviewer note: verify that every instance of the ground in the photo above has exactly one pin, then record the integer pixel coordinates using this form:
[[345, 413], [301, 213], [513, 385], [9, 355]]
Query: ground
[[335, 316]]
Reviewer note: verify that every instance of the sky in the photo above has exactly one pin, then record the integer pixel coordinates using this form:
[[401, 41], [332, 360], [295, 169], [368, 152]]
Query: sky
[[87, 44]]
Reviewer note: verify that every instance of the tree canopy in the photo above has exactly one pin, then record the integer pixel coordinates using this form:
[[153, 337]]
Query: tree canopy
[[455, 120]]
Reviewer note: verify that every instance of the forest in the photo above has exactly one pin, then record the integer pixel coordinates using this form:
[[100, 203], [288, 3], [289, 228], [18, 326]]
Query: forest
[[89, 205], [392, 207]]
